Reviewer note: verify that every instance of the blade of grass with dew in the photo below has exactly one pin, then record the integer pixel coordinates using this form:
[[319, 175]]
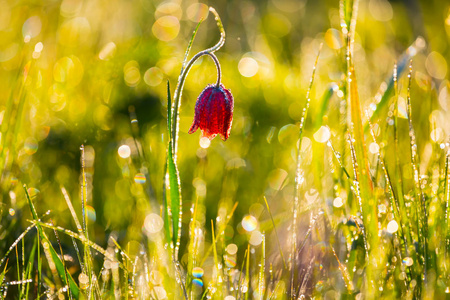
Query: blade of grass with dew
[[261, 277], [63, 261], [399, 185], [247, 273], [298, 176], [324, 103], [217, 281], [422, 219], [447, 207], [72, 210], [365, 186], [175, 197], [318, 147], [345, 12], [167, 219], [276, 233], [389, 86], [51, 251], [345, 275], [29, 269], [306, 278], [447, 213], [239, 287], [179, 278], [18, 272], [392, 200], [87, 251]]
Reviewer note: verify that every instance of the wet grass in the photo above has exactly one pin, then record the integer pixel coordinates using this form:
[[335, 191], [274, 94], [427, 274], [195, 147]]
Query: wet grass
[[354, 204]]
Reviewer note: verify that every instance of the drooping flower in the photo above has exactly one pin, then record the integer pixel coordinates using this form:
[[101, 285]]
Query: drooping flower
[[214, 112]]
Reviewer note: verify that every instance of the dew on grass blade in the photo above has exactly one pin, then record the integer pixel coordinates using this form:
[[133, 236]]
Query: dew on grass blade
[[197, 282], [139, 178], [249, 223], [197, 272]]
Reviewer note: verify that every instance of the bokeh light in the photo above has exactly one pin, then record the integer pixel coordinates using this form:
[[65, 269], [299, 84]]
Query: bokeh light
[[124, 151], [153, 223], [249, 223]]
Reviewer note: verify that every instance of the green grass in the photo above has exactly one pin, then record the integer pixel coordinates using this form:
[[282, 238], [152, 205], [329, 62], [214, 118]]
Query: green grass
[[334, 183]]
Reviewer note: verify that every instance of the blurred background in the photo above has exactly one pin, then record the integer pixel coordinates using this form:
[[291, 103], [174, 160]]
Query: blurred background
[[94, 73]]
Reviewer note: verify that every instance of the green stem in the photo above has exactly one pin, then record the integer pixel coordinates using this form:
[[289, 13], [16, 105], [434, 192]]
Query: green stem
[[184, 73]]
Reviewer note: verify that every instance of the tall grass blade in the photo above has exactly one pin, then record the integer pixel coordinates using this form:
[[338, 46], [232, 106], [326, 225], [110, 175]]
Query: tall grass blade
[[166, 208], [247, 274], [299, 179], [421, 206], [362, 176], [262, 278], [46, 244], [217, 279], [447, 212], [386, 91]]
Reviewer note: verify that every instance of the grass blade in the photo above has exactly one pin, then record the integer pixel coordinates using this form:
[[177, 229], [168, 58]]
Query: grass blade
[[298, 177], [51, 251]]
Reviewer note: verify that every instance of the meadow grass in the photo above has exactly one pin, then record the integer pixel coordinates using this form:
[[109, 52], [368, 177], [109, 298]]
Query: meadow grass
[[353, 193]]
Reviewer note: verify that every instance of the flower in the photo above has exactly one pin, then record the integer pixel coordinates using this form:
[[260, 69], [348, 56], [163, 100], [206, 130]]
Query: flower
[[214, 112]]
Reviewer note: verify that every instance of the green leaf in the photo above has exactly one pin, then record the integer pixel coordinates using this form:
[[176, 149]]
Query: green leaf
[[174, 188], [48, 247], [169, 134]]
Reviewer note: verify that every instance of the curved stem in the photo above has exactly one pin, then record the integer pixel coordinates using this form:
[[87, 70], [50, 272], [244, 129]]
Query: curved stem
[[182, 78]]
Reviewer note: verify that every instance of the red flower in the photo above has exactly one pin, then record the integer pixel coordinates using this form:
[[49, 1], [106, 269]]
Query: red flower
[[214, 112]]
